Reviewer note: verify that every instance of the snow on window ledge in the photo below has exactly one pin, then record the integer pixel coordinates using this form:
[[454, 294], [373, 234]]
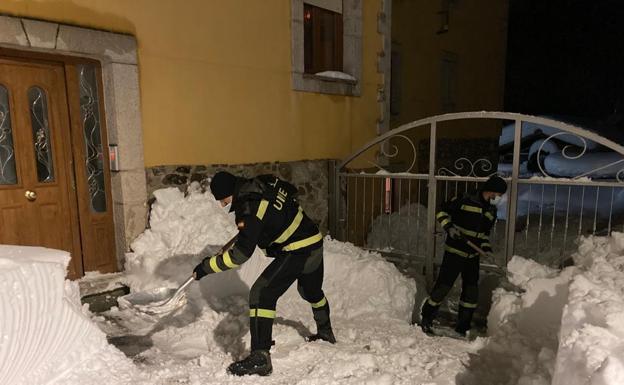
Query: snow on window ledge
[[334, 76]]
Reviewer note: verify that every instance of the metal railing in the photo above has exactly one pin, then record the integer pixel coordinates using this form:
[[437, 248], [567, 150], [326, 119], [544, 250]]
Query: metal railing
[[386, 193]]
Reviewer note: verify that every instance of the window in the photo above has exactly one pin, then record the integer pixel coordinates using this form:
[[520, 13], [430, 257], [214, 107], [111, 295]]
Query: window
[[448, 81], [327, 46], [322, 39]]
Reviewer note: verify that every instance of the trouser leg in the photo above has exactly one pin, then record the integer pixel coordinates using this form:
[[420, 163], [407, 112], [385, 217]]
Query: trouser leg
[[309, 285], [272, 283], [469, 295], [446, 278]]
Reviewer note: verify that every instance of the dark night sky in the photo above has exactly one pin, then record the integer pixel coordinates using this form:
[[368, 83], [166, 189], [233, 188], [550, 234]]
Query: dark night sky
[[565, 57]]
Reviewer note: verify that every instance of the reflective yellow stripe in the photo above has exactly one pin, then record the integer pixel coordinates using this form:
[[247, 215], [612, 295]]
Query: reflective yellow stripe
[[485, 244], [432, 302], [227, 259], [264, 313], [262, 208], [458, 252], [213, 265], [292, 228], [489, 215], [441, 214], [472, 209], [445, 222], [303, 243], [468, 305], [471, 233], [320, 303]]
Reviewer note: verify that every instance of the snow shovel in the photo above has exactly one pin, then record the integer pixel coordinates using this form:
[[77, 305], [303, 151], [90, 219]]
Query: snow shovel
[[162, 301]]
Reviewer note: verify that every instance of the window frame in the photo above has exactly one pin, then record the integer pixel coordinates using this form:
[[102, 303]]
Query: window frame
[[351, 53]]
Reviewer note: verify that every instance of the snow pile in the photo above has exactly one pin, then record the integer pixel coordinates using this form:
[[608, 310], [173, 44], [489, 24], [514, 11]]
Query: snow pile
[[591, 346], [595, 164], [559, 327], [403, 230], [184, 227], [44, 336], [371, 304], [523, 327]]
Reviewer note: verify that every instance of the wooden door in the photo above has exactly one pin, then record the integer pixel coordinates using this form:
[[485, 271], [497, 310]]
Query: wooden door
[[38, 203]]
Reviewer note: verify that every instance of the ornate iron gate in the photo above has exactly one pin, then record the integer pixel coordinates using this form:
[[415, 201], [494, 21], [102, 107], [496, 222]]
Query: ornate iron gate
[[563, 182]]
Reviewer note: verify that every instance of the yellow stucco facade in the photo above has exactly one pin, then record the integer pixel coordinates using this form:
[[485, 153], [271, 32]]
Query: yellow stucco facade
[[215, 79], [471, 32]]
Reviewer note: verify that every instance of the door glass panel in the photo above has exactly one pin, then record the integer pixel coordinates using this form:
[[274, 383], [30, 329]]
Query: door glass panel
[[41, 134], [91, 118], [7, 153]]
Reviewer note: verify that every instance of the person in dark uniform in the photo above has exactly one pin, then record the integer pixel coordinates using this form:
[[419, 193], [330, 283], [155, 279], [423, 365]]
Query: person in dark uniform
[[269, 216], [466, 218]]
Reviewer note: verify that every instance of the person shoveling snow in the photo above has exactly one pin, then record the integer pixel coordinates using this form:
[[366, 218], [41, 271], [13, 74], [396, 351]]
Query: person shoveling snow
[[268, 215], [467, 221]]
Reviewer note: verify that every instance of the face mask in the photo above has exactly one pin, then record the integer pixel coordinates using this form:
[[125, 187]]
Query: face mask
[[496, 200], [227, 207]]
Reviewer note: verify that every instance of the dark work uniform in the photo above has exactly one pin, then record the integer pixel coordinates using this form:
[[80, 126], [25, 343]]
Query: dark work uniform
[[270, 217], [474, 218]]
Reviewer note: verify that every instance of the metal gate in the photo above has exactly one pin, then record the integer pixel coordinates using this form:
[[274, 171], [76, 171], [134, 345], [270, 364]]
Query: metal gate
[[563, 182]]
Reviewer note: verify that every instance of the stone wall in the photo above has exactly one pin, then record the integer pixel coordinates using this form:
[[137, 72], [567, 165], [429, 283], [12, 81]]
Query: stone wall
[[310, 176]]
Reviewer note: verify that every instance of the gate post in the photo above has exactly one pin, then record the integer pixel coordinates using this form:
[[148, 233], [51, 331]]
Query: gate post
[[512, 208], [431, 207]]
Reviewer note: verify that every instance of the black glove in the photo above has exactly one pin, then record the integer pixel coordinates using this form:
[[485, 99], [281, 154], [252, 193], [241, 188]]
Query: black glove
[[454, 232], [199, 271]]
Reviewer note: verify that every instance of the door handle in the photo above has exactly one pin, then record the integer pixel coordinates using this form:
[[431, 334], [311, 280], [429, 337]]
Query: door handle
[[30, 195]]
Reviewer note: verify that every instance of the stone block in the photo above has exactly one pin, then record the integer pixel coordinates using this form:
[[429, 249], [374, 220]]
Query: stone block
[[12, 32], [109, 102], [41, 34], [135, 220], [114, 46], [133, 186], [120, 233], [126, 103]]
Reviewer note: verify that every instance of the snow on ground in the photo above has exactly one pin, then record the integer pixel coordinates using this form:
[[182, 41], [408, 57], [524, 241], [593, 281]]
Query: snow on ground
[[591, 345], [371, 304], [371, 309], [44, 335]]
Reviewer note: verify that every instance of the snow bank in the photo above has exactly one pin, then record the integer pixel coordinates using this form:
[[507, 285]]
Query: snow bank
[[184, 227], [403, 230], [559, 327], [591, 346], [44, 336], [371, 303], [522, 327], [544, 198], [594, 164]]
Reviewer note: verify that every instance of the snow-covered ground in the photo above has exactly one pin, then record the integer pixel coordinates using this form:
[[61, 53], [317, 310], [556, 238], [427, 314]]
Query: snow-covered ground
[[371, 309]]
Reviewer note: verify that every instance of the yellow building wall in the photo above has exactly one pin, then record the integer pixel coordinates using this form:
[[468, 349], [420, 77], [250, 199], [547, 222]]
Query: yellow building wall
[[477, 34], [215, 78]]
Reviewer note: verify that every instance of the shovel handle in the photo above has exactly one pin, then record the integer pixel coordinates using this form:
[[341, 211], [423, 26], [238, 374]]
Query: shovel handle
[[229, 244], [188, 281], [476, 248]]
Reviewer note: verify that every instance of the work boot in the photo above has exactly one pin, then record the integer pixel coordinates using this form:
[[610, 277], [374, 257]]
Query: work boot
[[325, 334], [427, 326], [258, 362]]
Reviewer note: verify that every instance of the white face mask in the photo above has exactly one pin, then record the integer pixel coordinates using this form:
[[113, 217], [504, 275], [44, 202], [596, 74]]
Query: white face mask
[[496, 200], [227, 207]]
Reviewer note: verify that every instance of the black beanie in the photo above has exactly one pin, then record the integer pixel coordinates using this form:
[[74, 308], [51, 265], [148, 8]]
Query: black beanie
[[495, 184], [222, 185]]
